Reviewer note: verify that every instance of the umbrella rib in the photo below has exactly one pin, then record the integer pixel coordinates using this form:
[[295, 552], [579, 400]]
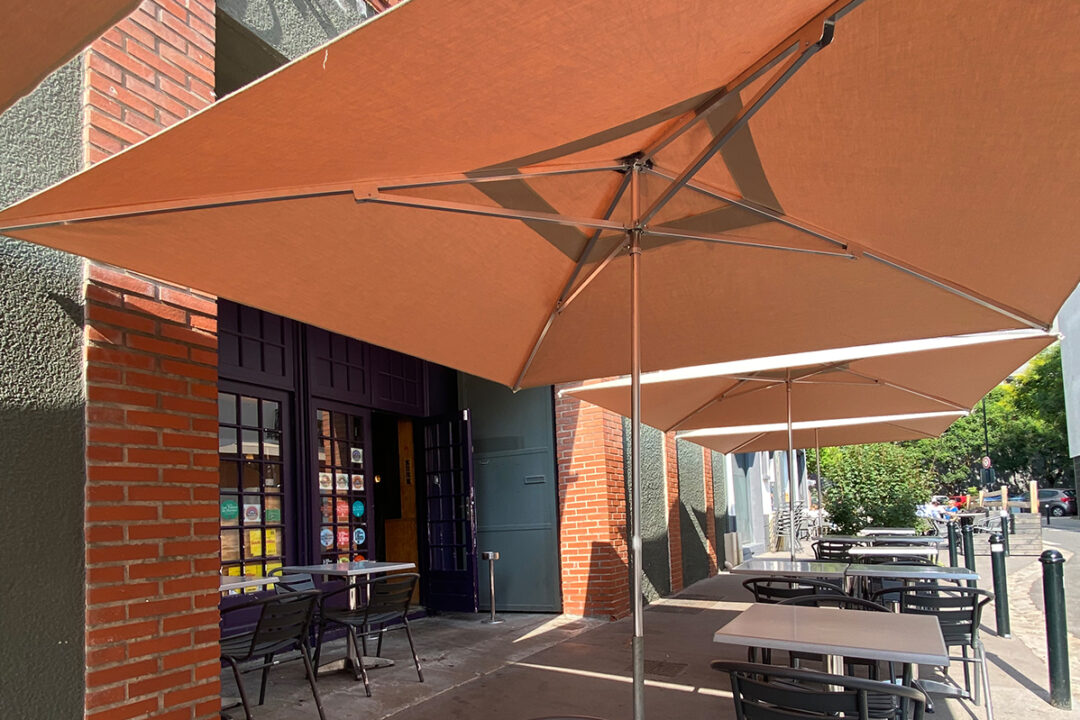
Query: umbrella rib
[[752, 440], [487, 211], [731, 392], [475, 179], [738, 122], [768, 61], [912, 391], [739, 241], [911, 429], [564, 298], [905, 267]]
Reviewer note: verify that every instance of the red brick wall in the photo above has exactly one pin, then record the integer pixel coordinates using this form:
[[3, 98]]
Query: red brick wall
[[152, 553], [592, 500], [710, 517]]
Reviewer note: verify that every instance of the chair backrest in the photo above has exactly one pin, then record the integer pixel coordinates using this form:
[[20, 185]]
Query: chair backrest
[[292, 582], [896, 560], [282, 618], [767, 692], [773, 589], [842, 602], [957, 609], [391, 594], [824, 549]]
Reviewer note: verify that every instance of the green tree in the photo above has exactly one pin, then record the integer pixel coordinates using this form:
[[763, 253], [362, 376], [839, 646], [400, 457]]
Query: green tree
[[878, 484]]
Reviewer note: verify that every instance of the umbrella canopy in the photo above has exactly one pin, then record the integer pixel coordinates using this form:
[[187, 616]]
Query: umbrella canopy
[[38, 37], [792, 193], [922, 376], [825, 433]]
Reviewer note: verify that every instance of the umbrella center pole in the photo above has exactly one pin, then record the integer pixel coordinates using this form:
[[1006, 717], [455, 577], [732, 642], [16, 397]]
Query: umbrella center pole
[[637, 603], [792, 481]]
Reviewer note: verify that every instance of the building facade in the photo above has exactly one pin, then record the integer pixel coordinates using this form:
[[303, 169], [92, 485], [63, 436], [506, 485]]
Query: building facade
[[153, 437]]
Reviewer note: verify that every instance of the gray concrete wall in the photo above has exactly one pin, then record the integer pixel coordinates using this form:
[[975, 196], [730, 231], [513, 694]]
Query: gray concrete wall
[[693, 512], [294, 27], [655, 555], [42, 405]]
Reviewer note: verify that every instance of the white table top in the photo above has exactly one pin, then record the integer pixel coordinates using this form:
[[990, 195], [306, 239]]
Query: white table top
[[243, 582], [897, 637], [886, 550], [350, 569], [887, 531], [791, 568], [912, 572]]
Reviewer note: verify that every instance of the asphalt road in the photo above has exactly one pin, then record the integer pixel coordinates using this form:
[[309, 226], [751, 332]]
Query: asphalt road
[[1064, 533]]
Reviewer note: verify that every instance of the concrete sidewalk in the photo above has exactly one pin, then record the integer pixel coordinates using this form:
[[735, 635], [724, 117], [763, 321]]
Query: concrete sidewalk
[[535, 665]]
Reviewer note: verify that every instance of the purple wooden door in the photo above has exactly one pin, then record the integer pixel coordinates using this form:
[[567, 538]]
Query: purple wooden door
[[450, 575]]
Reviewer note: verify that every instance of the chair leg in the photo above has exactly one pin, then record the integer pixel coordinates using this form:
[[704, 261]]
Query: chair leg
[[269, 659], [360, 665], [240, 687], [363, 639], [318, 647], [976, 696], [378, 646], [415, 657], [984, 669], [309, 670], [967, 673]]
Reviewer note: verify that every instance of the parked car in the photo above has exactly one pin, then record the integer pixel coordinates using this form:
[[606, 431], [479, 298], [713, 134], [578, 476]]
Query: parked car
[[1061, 502]]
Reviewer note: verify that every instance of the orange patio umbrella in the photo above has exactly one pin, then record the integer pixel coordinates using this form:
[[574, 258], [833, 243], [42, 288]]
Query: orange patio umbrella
[[846, 396], [538, 195], [39, 36]]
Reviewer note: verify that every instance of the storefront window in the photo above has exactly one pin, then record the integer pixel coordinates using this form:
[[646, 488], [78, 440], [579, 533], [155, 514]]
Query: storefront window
[[250, 483]]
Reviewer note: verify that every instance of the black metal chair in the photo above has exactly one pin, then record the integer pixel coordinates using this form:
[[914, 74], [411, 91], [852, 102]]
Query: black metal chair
[[387, 602], [283, 624], [765, 692], [773, 589], [830, 550], [292, 582], [959, 612]]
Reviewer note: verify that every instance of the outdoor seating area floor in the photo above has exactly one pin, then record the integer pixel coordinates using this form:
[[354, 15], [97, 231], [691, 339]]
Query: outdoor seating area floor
[[535, 665]]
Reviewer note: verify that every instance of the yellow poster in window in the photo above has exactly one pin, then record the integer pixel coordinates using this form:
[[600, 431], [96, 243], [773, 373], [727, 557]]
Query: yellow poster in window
[[271, 542], [255, 543]]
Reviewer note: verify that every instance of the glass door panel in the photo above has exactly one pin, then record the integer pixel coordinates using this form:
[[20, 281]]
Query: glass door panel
[[342, 530]]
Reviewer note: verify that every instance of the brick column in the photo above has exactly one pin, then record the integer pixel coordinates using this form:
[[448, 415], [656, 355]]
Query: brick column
[[592, 501], [671, 478], [710, 509], [152, 551]]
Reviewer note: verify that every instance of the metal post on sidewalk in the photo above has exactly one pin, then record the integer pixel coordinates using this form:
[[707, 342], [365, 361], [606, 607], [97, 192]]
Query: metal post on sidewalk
[[953, 561], [1012, 523], [969, 550], [491, 557], [1057, 632], [1001, 588], [1005, 531]]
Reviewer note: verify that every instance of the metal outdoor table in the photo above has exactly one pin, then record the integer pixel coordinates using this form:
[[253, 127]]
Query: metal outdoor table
[[908, 539], [230, 583], [893, 637], [911, 572], [887, 531], [348, 570], [893, 551], [791, 568]]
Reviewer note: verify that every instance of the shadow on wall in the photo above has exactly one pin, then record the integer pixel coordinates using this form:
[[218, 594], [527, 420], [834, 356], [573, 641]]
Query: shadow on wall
[[607, 592]]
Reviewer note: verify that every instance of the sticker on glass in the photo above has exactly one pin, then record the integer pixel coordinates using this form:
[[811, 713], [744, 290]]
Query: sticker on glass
[[357, 455], [358, 508], [230, 509], [273, 515], [359, 536], [343, 481], [326, 538], [251, 513], [357, 482], [343, 539], [326, 481], [343, 510]]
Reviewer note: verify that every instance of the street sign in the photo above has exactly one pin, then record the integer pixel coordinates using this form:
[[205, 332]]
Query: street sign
[[986, 462]]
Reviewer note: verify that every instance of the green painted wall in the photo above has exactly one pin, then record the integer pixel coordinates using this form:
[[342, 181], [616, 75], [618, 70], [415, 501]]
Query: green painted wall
[[42, 405], [655, 556], [693, 512]]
